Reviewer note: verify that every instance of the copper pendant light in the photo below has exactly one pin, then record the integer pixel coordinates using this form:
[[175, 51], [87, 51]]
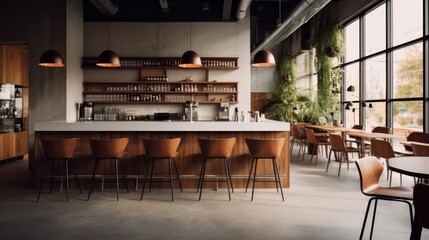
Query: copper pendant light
[[190, 59], [108, 58], [51, 58], [264, 58]]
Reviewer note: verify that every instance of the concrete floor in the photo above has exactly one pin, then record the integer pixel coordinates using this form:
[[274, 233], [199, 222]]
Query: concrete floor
[[318, 205]]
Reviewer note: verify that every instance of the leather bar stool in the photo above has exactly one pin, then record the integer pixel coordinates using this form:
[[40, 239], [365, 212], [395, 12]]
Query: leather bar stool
[[161, 149], [220, 149], [107, 149], [269, 149], [58, 150]]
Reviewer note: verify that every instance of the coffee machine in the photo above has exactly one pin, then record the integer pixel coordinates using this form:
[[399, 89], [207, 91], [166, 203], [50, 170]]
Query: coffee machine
[[191, 111], [86, 111], [223, 112]]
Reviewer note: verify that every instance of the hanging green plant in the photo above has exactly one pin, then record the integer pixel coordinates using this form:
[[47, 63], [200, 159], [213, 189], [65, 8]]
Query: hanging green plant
[[285, 95], [328, 43]]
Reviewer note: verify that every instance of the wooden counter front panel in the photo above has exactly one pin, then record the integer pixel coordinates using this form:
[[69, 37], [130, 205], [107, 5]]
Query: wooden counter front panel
[[188, 161]]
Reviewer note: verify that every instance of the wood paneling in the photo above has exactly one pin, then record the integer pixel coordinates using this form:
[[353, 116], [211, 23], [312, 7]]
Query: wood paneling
[[258, 100], [188, 161], [13, 145], [14, 64]]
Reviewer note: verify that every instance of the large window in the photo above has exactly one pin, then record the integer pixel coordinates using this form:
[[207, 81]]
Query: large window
[[389, 74]]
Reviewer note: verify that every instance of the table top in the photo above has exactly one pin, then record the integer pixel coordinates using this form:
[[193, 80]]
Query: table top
[[412, 166], [334, 128], [408, 143], [375, 135]]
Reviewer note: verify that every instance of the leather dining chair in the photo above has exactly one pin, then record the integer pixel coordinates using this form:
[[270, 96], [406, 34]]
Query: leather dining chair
[[421, 210], [338, 146], [311, 138], [416, 137], [370, 170], [420, 149], [356, 140], [378, 129], [383, 149], [299, 138]]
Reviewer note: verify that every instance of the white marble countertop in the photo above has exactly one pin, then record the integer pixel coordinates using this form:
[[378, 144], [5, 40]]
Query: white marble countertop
[[162, 126]]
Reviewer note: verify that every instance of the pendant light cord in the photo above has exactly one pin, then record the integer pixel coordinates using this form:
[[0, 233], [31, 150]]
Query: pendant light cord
[[190, 29], [52, 22]]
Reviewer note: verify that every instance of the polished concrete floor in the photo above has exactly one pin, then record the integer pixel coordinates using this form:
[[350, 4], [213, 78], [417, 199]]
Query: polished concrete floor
[[318, 205]]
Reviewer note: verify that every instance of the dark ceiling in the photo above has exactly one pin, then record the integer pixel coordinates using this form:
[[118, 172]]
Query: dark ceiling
[[264, 13]]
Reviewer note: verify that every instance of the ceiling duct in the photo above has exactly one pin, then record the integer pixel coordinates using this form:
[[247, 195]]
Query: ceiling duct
[[242, 8], [106, 7], [303, 12]]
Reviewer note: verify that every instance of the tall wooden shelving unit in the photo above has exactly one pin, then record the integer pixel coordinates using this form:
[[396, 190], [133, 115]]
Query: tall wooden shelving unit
[[14, 70]]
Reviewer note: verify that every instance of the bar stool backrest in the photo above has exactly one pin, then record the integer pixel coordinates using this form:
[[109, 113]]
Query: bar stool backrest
[[59, 148], [108, 148], [221, 148], [161, 148], [265, 147]]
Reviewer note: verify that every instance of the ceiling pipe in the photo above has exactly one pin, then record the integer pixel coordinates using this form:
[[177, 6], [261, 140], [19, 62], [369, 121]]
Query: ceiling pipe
[[242, 8], [303, 12]]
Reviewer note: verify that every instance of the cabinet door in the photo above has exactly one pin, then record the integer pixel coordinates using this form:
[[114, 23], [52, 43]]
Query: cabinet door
[[14, 64], [13, 145]]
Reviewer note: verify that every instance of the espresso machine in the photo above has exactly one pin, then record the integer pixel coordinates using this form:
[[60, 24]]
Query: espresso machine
[[223, 112], [191, 111], [86, 111]]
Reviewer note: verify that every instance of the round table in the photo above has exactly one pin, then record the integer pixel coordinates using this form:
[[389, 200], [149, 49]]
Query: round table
[[410, 165]]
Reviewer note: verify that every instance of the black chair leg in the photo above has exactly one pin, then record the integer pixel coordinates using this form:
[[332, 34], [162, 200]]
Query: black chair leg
[[227, 177], [52, 175], [275, 174], [117, 179], [202, 177], [278, 177], [145, 179], [91, 186], [365, 218], [373, 218], [229, 174], [171, 179], [177, 174], [254, 178], [67, 179], [250, 174]]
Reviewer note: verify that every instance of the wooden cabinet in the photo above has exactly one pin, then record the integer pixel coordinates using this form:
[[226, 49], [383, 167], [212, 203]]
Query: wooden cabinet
[[154, 86], [14, 74], [13, 59]]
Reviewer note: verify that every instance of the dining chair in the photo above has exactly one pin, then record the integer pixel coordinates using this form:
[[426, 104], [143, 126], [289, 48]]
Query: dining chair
[[299, 138], [421, 210], [370, 170], [356, 140], [383, 149], [378, 129], [420, 149], [338, 146], [312, 139], [416, 137]]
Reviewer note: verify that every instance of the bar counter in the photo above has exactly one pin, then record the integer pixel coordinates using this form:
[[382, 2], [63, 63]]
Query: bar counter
[[189, 158]]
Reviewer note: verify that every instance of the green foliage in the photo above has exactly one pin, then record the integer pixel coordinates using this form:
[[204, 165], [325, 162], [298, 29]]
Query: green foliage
[[328, 43], [285, 95]]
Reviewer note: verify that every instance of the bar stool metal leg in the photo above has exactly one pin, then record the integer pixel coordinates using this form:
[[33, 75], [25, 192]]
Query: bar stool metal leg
[[177, 174], [91, 186], [171, 179], [202, 177], [117, 179], [250, 174], [227, 177], [67, 179]]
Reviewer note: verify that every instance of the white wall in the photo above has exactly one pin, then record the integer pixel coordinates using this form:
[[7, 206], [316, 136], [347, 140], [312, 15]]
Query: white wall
[[220, 39]]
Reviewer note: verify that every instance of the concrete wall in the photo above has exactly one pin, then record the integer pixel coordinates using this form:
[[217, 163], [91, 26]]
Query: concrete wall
[[229, 39]]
